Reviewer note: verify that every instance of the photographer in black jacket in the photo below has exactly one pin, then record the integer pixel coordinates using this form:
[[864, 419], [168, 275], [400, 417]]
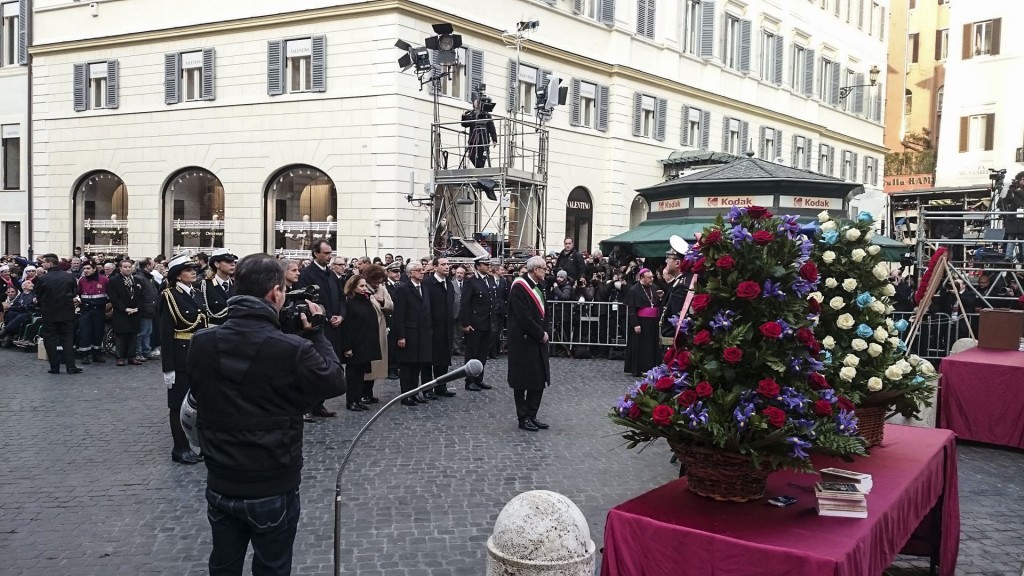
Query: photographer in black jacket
[[251, 383]]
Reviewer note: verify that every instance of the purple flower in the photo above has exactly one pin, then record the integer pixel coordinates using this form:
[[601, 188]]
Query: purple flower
[[796, 365], [735, 213], [742, 414], [786, 328], [697, 414], [789, 224], [739, 234], [846, 423], [686, 326], [792, 399], [813, 365], [771, 290], [828, 394], [722, 320], [798, 446], [624, 405], [802, 287]]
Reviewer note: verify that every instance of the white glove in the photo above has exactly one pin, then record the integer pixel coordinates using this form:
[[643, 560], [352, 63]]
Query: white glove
[[169, 379]]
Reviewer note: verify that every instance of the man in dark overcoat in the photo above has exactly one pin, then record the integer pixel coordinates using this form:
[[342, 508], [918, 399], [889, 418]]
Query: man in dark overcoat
[[413, 335], [442, 306], [528, 333], [55, 293], [331, 298], [124, 291], [476, 318]]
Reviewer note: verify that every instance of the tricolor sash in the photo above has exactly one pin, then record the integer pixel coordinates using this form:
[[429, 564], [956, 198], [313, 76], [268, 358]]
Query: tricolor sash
[[529, 290]]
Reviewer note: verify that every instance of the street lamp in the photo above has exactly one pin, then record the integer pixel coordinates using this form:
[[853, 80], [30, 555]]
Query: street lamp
[[872, 77]]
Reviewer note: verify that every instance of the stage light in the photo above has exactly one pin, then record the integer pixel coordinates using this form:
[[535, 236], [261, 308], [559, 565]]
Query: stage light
[[487, 185], [446, 42]]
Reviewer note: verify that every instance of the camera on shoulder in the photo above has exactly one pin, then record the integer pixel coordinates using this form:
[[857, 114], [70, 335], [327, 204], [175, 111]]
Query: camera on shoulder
[[295, 305]]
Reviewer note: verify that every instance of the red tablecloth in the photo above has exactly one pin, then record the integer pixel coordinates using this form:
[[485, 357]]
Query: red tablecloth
[[981, 396], [672, 532]]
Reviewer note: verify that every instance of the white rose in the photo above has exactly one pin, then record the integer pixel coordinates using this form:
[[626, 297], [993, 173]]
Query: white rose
[[877, 306], [881, 334], [926, 368], [869, 235], [889, 324], [874, 249], [823, 216], [829, 342], [894, 342], [857, 255], [858, 344], [828, 257], [889, 309], [849, 284], [893, 373], [874, 350], [852, 234], [880, 272], [851, 360], [828, 226], [845, 321], [874, 384], [836, 303], [848, 373], [816, 296], [831, 283], [914, 359], [904, 366], [888, 290]]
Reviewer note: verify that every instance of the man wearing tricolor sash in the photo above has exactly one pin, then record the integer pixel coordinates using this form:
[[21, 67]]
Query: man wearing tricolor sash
[[529, 330]]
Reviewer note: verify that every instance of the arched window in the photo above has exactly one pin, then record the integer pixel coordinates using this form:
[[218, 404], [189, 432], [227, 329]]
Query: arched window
[[579, 218], [101, 213], [908, 102], [637, 212], [193, 211], [302, 204]]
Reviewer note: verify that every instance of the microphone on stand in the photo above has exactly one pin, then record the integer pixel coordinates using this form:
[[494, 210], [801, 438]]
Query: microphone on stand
[[472, 368]]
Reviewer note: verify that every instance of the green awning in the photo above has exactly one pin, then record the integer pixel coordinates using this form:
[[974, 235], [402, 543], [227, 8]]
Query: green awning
[[892, 250], [650, 238]]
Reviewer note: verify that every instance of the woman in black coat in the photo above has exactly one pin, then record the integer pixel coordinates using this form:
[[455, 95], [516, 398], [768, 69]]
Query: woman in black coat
[[124, 291], [360, 344]]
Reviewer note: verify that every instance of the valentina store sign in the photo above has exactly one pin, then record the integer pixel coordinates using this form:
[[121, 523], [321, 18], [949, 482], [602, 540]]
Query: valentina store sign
[[810, 203], [730, 201]]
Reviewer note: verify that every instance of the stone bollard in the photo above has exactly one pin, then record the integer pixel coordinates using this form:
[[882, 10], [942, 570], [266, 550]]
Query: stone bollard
[[540, 533]]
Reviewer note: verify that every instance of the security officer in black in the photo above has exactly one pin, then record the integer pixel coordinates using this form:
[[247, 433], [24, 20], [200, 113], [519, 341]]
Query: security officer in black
[[216, 289], [181, 316], [675, 294], [477, 317]]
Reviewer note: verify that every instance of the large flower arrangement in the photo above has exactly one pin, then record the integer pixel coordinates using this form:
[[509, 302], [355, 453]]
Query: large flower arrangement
[[865, 358], [742, 376]]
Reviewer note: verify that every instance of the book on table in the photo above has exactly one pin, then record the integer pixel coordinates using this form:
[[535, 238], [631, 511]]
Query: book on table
[[862, 480], [841, 490], [842, 513]]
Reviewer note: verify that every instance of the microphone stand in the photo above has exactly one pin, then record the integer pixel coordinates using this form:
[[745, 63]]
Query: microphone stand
[[453, 375]]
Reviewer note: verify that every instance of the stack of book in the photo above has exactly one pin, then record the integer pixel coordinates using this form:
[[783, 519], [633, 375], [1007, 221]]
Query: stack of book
[[843, 493]]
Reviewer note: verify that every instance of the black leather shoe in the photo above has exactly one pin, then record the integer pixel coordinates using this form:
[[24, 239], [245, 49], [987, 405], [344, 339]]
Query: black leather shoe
[[53, 371], [484, 386], [409, 402], [324, 413], [527, 425], [539, 424], [75, 370], [307, 417], [371, 400], [419, 399], [86, 361], [445, 393], [186, 457], [473, 387], [429, 396], [354, 406]]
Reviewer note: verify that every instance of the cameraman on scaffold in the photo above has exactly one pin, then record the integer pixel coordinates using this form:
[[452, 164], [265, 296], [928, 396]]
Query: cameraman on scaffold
[[481, 132]]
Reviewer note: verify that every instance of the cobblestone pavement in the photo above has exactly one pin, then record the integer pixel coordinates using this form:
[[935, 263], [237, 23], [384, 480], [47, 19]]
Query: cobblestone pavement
[[87, 485]]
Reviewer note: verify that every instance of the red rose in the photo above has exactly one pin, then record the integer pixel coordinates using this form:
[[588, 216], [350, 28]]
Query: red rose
[[687, 398], [662, 415], [805, 336], [758, 212], [775, 416], [634, 412], [771, 330], [644, 387], [813, 306], [700, 302], [818, 381], [698, 266], [704, 389], [768, 388], [713, 237], [732, 354], [684, 266], [665, 383], [809, 271], [748, 290], [763, 237], [726, 262], [669, 354], [682, 360], [845, 404], [823, 408], [702, 338]]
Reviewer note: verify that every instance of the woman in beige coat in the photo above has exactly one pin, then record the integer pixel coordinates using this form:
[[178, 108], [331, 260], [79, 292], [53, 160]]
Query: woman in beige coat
[[383, 304]]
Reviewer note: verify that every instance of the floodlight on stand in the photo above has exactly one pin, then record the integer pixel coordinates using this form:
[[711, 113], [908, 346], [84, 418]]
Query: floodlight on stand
[[421, 59], [487, 185], [446, 42]]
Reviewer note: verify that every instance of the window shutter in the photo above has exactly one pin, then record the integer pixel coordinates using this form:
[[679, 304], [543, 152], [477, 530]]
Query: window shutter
[[779, 47], [684, 137], [172, 78], [964, 128], [576, 115], [792, 153], [707, 29], [545, 75], [874, 171], [831, 160], [705, 130], [878, 102], [513, 85], [112, 84], [660, 118], [967, 50], [577, 6], [24, 21], [744, 129], [435, 72], [602, 108], [842, 165], [475, 72], [867, 167], [938, 45], [744, 46], [853, 166], [990, 131], [638, 112], [808, 72], [641, 17], [607, 12], [275, 67], [208, 74], [858, 94], [834, 96], [778, 144], [915, 45], [726, 124], [318, 63], [80, 81], [997, 25], [762, 144], [652, 6], [860, 15], [881, 20], [808, 152]]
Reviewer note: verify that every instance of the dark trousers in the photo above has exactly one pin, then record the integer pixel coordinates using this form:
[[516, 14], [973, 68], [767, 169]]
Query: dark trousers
[[15, 322], [412, 375], [498, 326], [269, 523], [527, 402], [124, 343], [354, 375], [90, 332], [59, 334], [477, 344], [439, 371]]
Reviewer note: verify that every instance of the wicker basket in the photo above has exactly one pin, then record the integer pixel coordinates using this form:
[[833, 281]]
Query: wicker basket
[[721, 475], [871, 423]]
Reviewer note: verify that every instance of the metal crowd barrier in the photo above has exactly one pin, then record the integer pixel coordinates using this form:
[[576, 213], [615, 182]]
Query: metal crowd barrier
[[938, 333], [595, 324]]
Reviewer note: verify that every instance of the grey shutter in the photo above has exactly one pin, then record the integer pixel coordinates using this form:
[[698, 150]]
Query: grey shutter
[[744, 134], [475, 72], [544, 76], [726, 124], [761, 143], [638, 111], [853, 166], [275, 67], [172, 78], [831, 160], [112, 84], [835, 85], [608, 12], [641, 17], [858, 94], [660, 118], [684, 138], [874, 172], [577, 6], [513, 85], [24, 21], [576, 115], [842, 165], [652, 6], [707, 29], [705, 130], [208, 74], [778, 144], [318, 63], [867, 167], [745, 45], [779, 47], [878, 103], [808, 153], [602, 108], [792, 152], [808, 72], [80, 81], [435, 72]]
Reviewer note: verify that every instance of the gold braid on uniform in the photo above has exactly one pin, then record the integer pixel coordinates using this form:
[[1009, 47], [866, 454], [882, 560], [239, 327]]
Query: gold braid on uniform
[[206, 304], [177, 316]]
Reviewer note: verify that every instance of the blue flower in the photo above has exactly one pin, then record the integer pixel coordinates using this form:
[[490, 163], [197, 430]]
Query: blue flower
[[813, 365], [792, 399], [828, 357], [686, 326], [864, 331], [806, 426], [786, 329], [864, 299], [846, 423], [901, 325], [828, 394], [901, 347], [802, 287], [830, 237], [771, 290], [742, 413], [722, 320], [796, 365], [865, 216], [798, 446], [735, 213], [739, 234], [810, 229], [789, 224], [697, 414]]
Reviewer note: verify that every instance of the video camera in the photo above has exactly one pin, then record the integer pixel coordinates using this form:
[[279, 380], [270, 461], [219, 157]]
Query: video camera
[[486, 103], [295, 305]]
